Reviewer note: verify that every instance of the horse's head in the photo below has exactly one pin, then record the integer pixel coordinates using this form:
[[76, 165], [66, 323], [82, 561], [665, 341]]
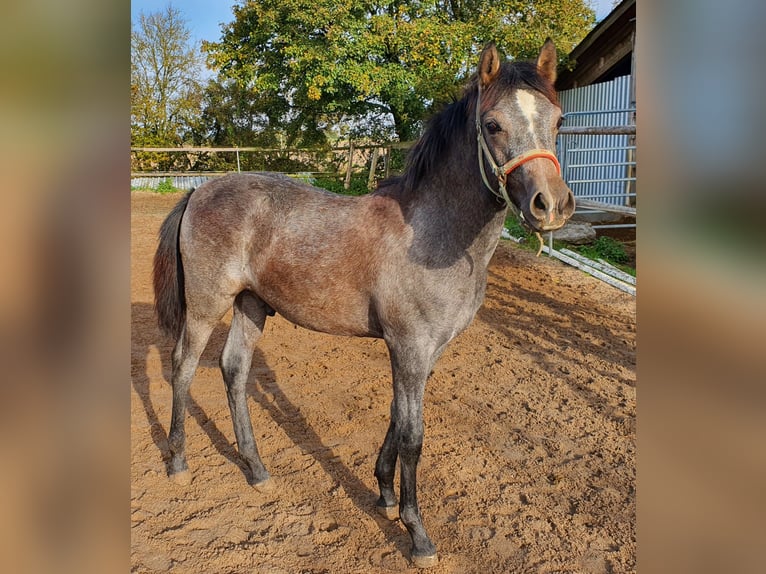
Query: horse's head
[[517, 118]]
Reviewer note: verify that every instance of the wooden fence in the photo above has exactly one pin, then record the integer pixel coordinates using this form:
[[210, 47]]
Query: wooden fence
[[350, 159]]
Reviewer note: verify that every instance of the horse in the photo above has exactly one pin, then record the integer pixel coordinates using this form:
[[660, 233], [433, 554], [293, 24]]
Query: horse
[[406, 263]]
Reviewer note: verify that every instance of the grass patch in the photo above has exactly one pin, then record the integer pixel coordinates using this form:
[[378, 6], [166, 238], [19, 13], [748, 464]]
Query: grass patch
[[358, 185], [528, 239], [166, 186], [604, 247], [609, 250], [515, 228]]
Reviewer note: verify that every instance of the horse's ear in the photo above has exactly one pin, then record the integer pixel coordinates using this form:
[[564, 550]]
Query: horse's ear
[[489, 64], [547, 61]]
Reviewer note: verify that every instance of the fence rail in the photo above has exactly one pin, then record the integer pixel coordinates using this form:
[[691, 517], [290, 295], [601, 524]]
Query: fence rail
[[598, 130], [192, 149]]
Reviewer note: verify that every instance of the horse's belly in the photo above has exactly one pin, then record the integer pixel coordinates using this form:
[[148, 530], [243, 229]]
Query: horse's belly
[[318, 301], [327, 317]]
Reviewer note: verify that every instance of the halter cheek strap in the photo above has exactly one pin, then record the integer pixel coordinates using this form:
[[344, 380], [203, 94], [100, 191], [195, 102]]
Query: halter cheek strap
[[501, 172]]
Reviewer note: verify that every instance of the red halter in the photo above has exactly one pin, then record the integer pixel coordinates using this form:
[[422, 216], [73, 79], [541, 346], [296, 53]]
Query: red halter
[[509, 166]]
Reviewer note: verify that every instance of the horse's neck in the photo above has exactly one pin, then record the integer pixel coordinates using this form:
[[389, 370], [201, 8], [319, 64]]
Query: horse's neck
[[458, 209]]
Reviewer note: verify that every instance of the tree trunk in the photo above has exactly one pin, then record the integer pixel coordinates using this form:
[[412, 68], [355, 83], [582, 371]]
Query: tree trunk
[[402, 127]]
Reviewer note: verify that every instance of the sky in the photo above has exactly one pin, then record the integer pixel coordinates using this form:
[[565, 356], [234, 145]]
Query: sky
[[205, 16]]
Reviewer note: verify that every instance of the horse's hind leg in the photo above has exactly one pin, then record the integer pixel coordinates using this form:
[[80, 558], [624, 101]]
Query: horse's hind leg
[[186, 354], [246, 327]]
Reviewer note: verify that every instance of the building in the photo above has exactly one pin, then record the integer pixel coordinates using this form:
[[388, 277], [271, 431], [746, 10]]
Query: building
[[607, 52]]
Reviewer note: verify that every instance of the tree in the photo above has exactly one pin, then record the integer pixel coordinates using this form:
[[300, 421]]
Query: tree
[[166, 93], [235, 115], [330, 61]]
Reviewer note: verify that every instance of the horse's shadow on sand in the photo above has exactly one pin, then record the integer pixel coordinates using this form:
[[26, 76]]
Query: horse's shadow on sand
[[281, 410]]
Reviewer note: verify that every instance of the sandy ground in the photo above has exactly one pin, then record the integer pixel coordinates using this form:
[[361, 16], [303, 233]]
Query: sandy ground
[[529, 455]]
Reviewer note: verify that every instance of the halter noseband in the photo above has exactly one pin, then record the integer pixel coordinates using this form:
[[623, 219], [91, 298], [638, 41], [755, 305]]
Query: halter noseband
[[501, 172]]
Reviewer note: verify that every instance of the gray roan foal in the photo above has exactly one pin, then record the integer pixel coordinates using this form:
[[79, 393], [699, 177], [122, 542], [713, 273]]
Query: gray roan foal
[[406, 263]]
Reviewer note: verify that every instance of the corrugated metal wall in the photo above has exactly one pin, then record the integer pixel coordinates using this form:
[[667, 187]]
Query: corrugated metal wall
[[184, 182], [599, 167]]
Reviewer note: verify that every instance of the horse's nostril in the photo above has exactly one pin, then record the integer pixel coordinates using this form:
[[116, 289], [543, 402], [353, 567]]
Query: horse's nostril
[[538, 203], [567, 204]]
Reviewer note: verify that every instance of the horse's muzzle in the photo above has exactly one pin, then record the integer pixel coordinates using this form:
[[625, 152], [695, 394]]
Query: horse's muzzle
[[551, 208]]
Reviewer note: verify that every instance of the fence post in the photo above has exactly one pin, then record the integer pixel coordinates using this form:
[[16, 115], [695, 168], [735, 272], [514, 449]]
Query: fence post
[[373, 165], [238, 160], [387, 162], [347, 181]]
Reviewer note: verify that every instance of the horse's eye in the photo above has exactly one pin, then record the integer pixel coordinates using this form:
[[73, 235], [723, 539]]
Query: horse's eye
[[558, 123], [492, 126]]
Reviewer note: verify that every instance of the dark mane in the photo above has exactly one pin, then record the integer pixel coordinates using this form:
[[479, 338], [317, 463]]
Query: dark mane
[[457, 117], [433, 145]]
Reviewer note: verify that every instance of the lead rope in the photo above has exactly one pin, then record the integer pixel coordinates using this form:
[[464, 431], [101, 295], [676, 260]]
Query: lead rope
[[502, 192]]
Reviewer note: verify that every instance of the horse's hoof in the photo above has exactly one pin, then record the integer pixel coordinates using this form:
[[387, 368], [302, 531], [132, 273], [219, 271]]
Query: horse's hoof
[[182, 478], [264, 486], [425, 561], [390, 512]]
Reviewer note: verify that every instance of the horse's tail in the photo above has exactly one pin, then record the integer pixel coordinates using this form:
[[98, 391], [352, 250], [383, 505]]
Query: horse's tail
[[169, 299]]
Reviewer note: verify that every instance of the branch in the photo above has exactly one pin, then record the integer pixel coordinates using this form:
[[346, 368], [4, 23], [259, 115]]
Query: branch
[[383, 107]]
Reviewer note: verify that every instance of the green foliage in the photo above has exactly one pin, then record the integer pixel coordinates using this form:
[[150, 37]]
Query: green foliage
[[605, 248], [166, 186], [515, 228], [236, 115], [528, 239], [294, 73], [323, 63], [358, 185]]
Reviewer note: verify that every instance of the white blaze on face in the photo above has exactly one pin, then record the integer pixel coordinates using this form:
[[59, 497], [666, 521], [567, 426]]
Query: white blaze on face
[[528, 107]]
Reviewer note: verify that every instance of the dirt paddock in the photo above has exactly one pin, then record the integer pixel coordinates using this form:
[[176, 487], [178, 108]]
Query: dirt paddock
[[529, 455]]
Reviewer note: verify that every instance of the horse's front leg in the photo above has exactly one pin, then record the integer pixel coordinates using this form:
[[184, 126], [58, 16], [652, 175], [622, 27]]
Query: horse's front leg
[[410, 367], [385, 469]]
